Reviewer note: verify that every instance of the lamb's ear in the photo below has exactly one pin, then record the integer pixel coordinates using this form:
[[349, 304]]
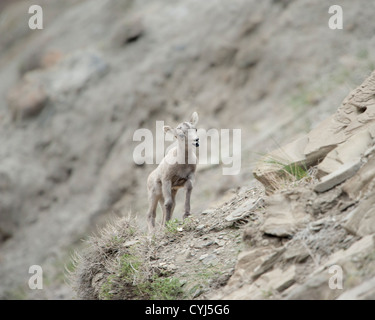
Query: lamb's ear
[[169, 129], [194, 119]]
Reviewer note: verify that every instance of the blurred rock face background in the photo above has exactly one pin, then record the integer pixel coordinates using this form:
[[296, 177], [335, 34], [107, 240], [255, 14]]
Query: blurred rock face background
[[73, 94]]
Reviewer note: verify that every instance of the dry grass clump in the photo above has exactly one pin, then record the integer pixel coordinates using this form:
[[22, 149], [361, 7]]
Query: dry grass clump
[[116, 265], [284, 176]]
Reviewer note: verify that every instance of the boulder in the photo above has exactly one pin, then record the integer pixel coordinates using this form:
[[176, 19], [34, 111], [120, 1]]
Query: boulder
[[315, 288], [268, 262], [342, 173], [246, 263], [364, 291], [284, 214], [275, 281], [350, 151], [361, 220], [361, 247], [244, 210], [361, 183], [296, 252], [278, 279]]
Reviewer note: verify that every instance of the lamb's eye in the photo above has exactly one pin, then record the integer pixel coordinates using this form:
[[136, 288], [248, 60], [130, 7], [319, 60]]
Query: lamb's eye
[[196, 130]]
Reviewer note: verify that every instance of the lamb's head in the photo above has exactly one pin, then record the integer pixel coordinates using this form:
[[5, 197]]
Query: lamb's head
[[186, 131]]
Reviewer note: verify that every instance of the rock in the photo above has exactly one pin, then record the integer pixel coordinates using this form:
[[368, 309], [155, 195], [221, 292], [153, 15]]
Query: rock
[[362, 246], [362, 181], [355, 114], [168, 267], [203, 256], [264, 287], [247, 261], [27, 99], [350, 151], [128, 32], [244, 210], [361, 221], [208, 243], [246, 292], [220, 243], [208, 211], [209, 259], [315, 288], [343, 173], [278, 279], [268, 262], [200, 227], [364, 291], [296, 253], [317, 225], [284, 215], [323, 202]]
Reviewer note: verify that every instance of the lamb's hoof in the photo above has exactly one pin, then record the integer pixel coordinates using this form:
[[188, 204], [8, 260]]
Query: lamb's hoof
[[186, 215]]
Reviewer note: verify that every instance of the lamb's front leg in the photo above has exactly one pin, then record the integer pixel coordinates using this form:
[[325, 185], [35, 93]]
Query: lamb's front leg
[[189, 188]]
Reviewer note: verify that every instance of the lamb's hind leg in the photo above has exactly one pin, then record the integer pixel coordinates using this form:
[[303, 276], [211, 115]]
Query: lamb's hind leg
[[189, 188], [151, 214], [169, 201], [161, 202]]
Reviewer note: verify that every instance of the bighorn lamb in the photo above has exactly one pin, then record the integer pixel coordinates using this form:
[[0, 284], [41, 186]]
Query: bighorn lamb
[[175, 171]]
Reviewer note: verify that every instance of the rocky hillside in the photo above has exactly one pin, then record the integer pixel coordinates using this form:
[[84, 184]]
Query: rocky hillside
[[252, 246], [73, 94]]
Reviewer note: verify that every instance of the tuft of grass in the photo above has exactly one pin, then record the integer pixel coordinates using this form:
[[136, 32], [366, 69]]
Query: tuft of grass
[[293, 170], [159, 288], [296, 171], [129, 267], [284, 175], [106, 292], [172, 226]]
